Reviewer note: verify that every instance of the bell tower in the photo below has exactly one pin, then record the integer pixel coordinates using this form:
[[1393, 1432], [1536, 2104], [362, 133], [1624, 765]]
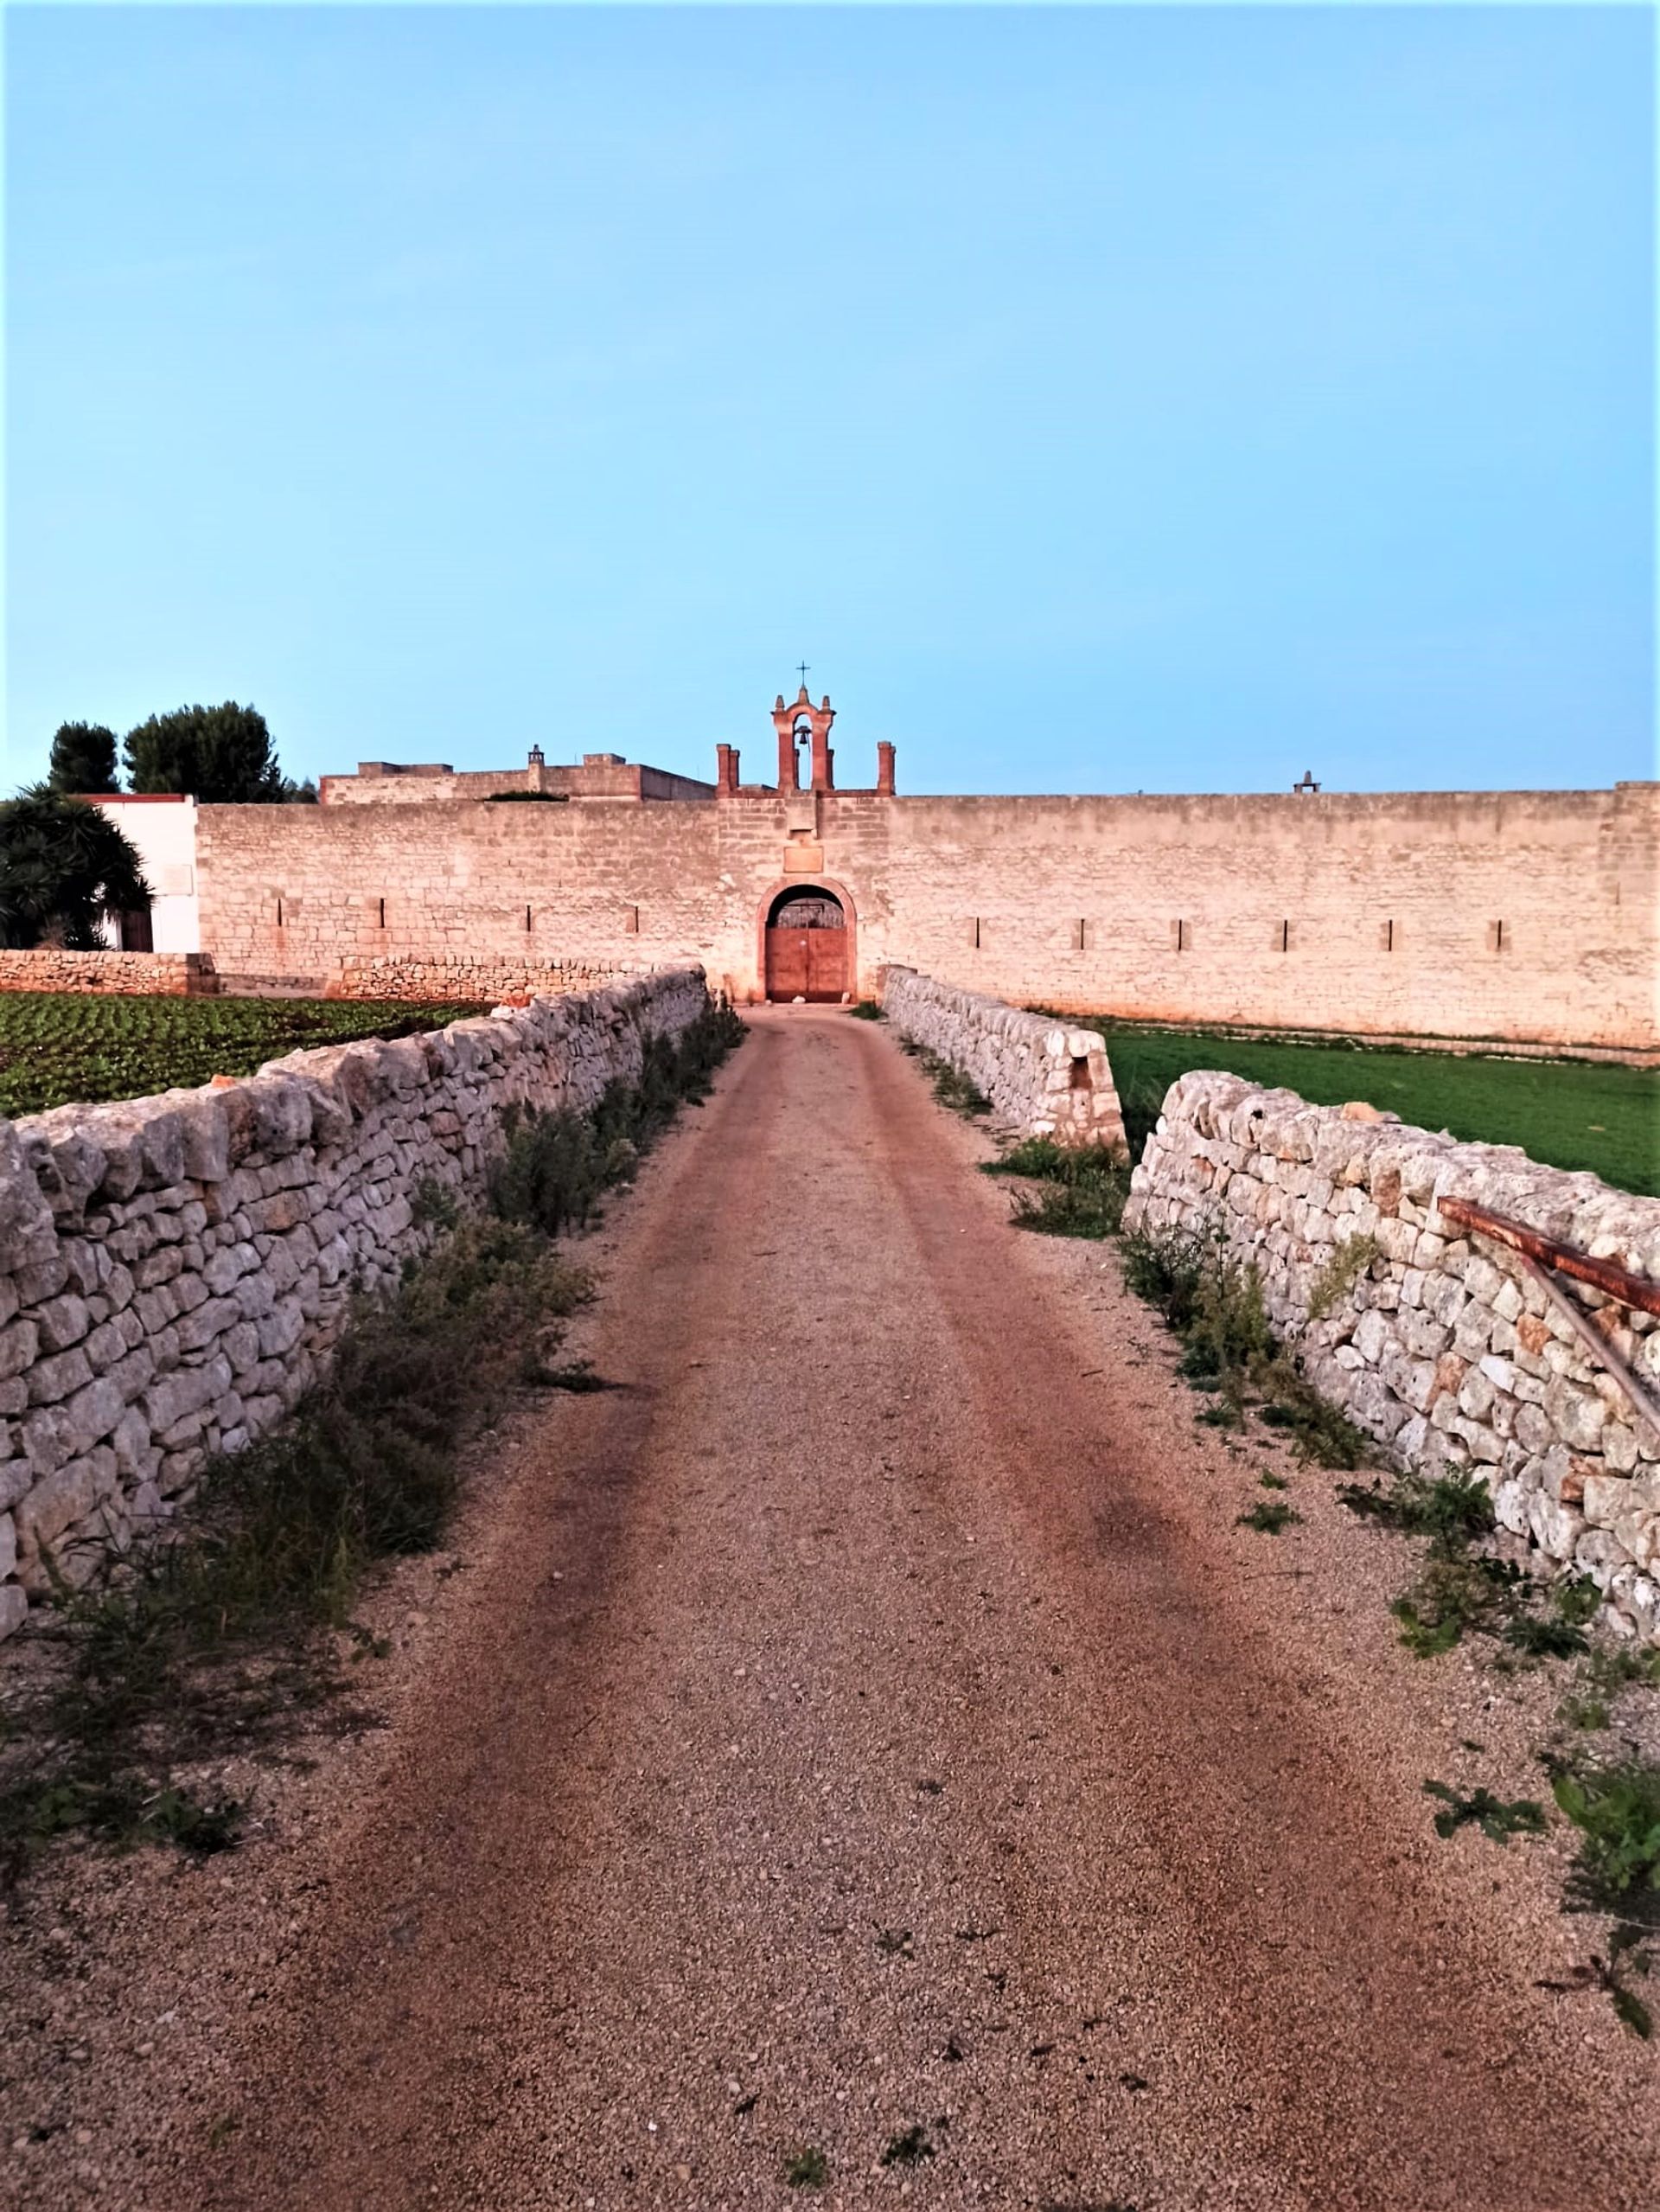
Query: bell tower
[[793, 722]]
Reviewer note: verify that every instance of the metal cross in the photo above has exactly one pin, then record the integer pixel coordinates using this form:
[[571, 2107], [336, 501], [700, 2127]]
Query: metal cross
[[801, 665]]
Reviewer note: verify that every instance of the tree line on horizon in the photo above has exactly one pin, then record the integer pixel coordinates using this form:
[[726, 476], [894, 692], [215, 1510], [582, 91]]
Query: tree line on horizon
[[221, 756], [65, 868]]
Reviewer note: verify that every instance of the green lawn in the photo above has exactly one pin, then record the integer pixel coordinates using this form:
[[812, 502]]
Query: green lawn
[[59, 1046], [1569, 1113]]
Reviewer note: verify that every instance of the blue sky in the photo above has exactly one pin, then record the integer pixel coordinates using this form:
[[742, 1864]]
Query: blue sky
[[1106, 400]]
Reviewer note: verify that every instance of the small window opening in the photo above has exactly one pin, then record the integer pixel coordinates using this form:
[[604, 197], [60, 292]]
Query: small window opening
[[1183, 940], [381, 906], [526, 917], [1080, 1075], [1388, 936], [279, 910], [1079, 935], [1284, 936]]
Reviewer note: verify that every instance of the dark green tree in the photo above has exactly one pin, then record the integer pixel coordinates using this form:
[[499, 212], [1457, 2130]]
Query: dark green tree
[[220, 755], [63, 866], [83, 758]]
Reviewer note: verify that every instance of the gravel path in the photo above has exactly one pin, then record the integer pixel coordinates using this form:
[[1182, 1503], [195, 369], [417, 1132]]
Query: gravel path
[[863, 1729]]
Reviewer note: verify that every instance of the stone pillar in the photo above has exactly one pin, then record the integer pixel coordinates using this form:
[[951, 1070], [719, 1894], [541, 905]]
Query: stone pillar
[[727, 772], [883, 769], [823, 778], [784, 721]]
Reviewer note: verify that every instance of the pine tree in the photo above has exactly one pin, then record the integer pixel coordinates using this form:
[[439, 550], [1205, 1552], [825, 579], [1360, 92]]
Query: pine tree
[[83, 759]]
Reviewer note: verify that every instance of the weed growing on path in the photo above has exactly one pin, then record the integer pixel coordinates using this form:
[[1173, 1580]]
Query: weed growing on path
[[1268, 1517], [807, 2168], [867, 1010], [909, 2149], [1214, 1305], [1498, 1820], [951, 1087], [215, 1633], [1082, 1188], [1608, 1670]]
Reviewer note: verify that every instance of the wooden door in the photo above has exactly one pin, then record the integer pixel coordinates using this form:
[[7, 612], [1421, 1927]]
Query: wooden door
[[826, 964], [790, 961]]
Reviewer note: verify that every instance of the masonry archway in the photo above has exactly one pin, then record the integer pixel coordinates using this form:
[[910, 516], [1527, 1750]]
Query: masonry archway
[[806, 943]]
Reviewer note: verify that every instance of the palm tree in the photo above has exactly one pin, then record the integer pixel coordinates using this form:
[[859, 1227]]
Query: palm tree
[[63, 866]]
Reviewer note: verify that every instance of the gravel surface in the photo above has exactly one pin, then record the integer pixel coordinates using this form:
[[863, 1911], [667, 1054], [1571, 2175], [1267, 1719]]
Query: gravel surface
[[863, 1729]]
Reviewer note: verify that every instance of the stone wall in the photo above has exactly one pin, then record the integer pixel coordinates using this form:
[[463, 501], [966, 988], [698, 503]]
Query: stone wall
[[122, 974], [461, 976], [173, 1269], [1442, 1348], [1043, 1079], [1518, 915]]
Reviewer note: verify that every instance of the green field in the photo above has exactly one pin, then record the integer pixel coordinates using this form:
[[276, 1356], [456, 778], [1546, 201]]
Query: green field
[[60, 1046], [1569, 1113]]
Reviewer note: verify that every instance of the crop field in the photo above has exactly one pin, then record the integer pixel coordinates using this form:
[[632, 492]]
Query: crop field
[[56, 1047], [1568, 1113]]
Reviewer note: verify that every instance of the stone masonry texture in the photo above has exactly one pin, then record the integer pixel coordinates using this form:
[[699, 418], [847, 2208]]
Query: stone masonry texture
[[173, 1269], [1530, 916], [1440, 1348], [1043, 1077], [118, 974]]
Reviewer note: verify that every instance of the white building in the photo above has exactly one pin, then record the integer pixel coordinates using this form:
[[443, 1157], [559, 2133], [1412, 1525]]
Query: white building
[[162, 829]]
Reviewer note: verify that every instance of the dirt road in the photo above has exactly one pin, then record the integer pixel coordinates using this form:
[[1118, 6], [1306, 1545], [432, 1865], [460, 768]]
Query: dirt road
[[859, 1747]]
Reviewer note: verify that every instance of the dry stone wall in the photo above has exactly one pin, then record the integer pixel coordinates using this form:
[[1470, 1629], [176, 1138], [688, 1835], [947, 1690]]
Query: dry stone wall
[[172, 1270], [1441, 1346], [486, 977], [123, 975], [1044, 1079]]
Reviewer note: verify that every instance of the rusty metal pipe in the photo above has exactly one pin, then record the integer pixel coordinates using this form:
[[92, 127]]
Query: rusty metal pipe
[[1614, 1282]]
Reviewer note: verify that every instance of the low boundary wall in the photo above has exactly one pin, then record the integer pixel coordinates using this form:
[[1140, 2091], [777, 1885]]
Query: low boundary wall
[[126, 974], [1046, 1079], [462, 975], [1440, 1346], [172, 1270]]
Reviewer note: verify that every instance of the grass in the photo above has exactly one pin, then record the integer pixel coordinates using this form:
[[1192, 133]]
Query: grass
[[1081, 1189], [58, 1047], [1214, 1305], [807, 2168], [1568, 1113], [951, 1087], [866, 1010], [213, 1636]]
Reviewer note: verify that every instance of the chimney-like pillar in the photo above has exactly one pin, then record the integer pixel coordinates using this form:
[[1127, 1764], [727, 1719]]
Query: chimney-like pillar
[[726, 771], [784, 721], [883, 769], [820, 720]]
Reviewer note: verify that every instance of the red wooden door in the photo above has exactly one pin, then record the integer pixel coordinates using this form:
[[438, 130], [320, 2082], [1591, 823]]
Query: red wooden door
[[826, 963], [787, 963]]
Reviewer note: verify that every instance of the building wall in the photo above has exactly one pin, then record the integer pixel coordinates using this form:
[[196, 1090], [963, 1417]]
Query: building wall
[[1516, 915], [163, 828], [596, 776]]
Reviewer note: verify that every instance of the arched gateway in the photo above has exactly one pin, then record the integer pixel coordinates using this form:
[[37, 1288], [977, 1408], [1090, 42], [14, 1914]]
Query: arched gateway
[[807, 945]]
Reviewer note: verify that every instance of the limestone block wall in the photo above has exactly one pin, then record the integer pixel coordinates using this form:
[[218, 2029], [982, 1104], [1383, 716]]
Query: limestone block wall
[[172, 1270], [124, 975], [1526, 915], [484, 977], [1442, 1348], [1044, 1078]]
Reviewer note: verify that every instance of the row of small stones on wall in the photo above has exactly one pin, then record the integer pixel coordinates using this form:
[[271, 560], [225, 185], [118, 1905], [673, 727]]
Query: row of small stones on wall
[[464, 976], [117, 974], [1044, 1079], [1440, 1349], [173, 1269], [1283, 933]]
